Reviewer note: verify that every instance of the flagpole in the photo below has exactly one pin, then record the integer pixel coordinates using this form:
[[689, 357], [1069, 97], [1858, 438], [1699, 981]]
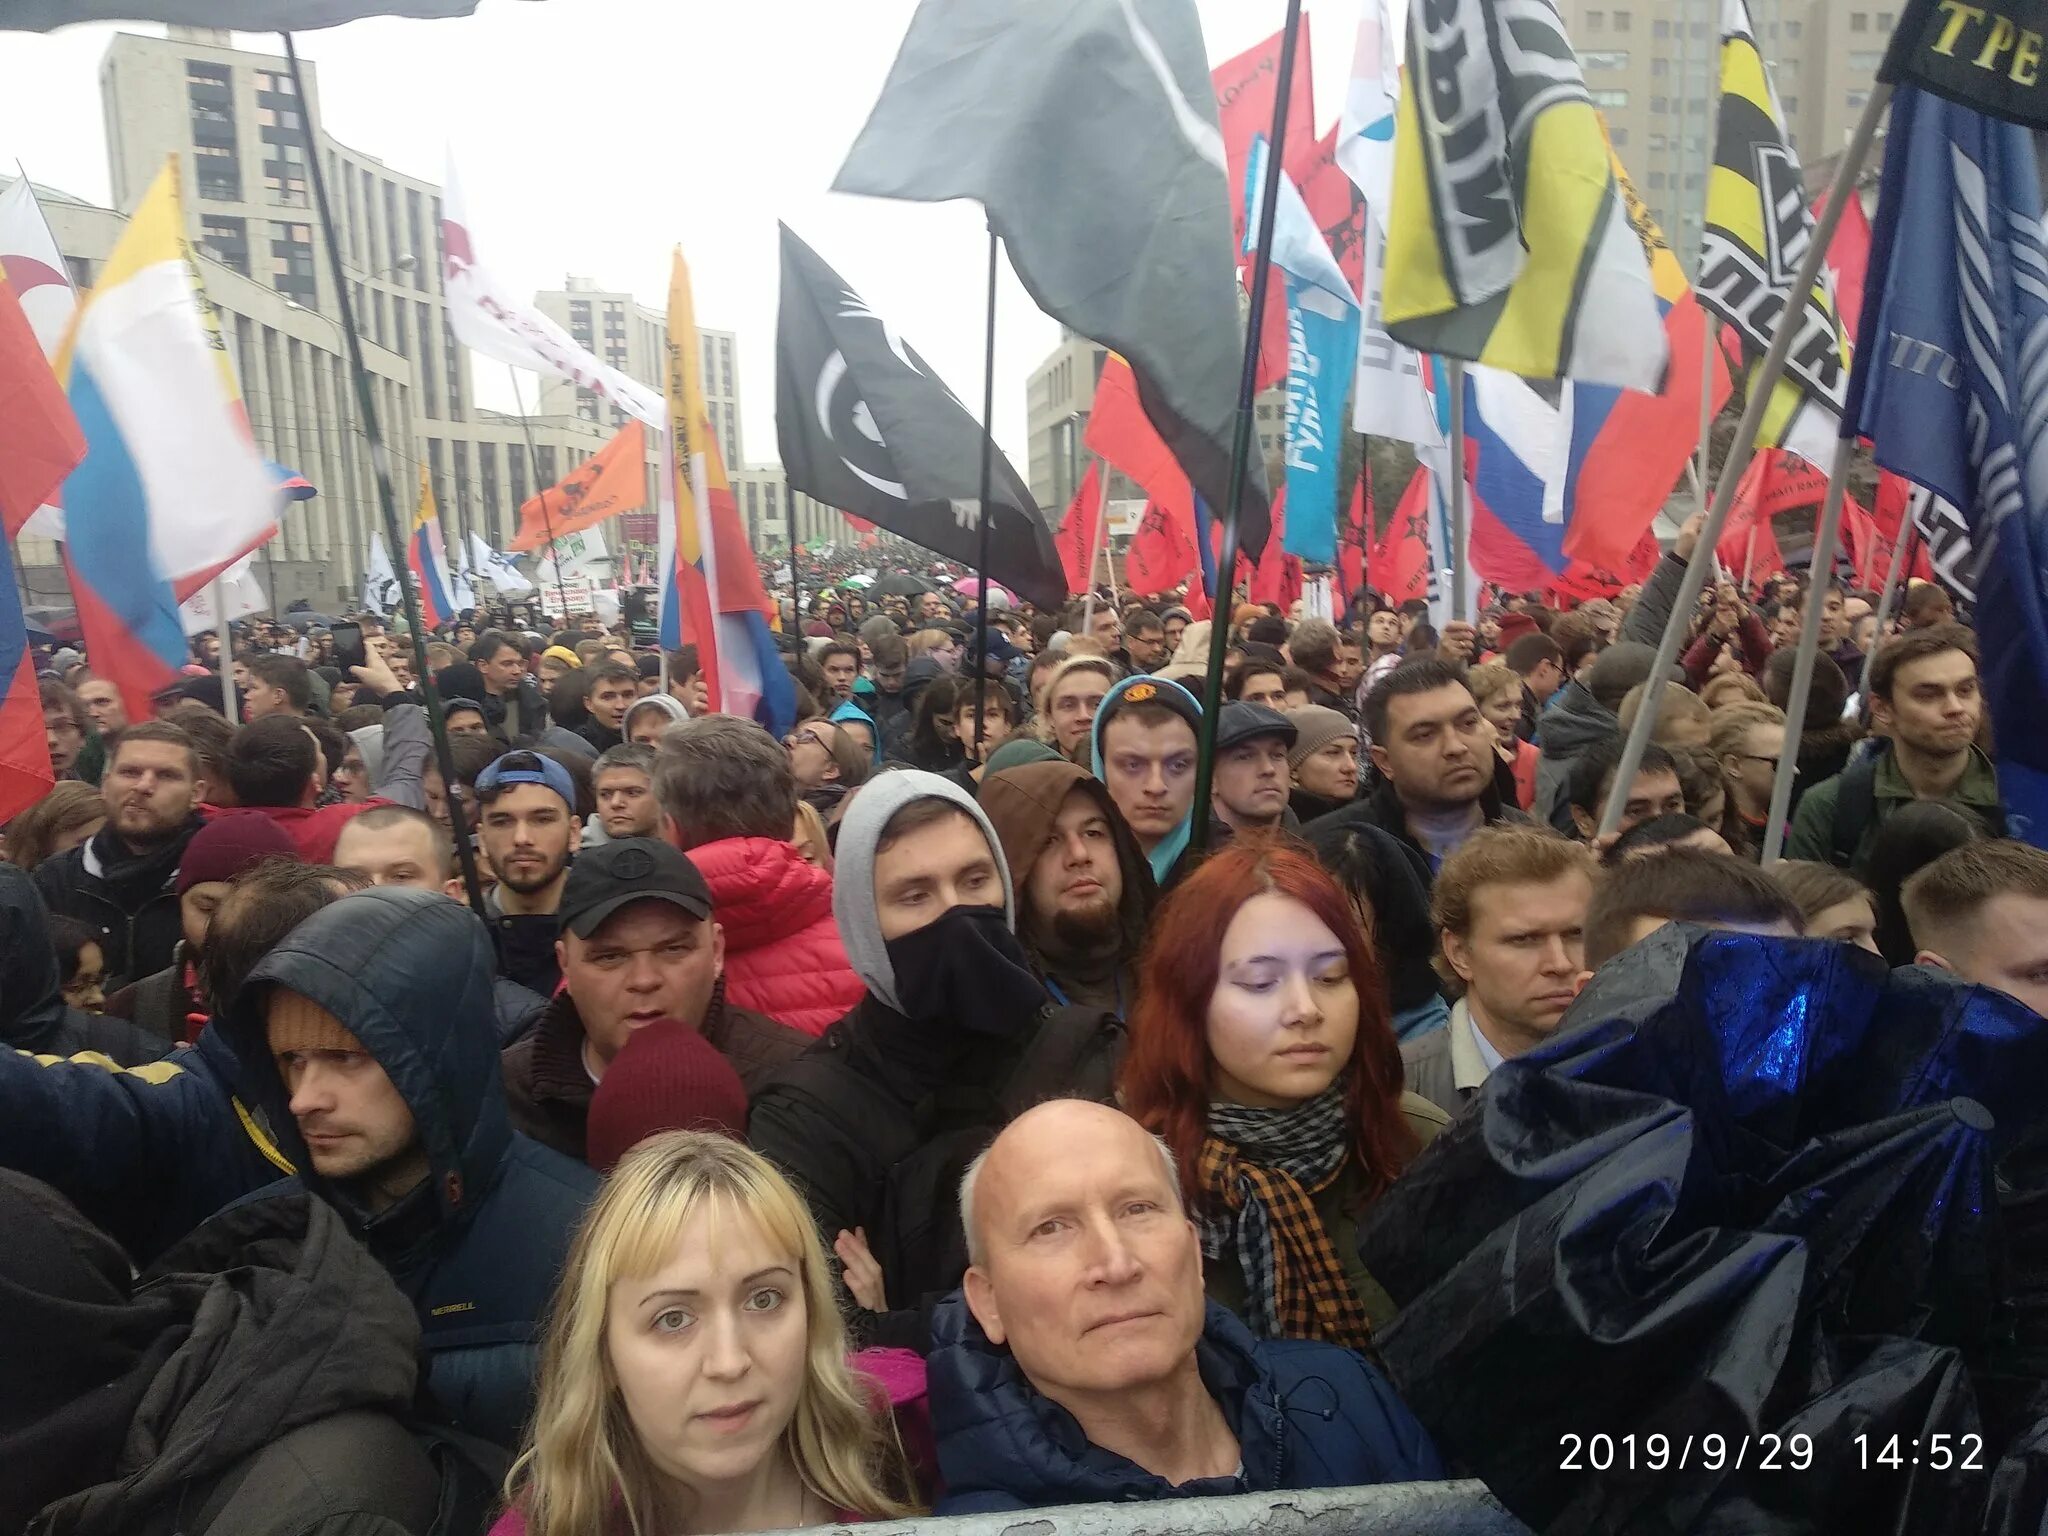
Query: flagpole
[[1460, 541], [1901, 556], [1748, 560], [1713, 341], [547, 523], [227, 650], [1095, 543], [380, 464], [1825, 537], [1241, 438], [1741, 450], [988, 469]]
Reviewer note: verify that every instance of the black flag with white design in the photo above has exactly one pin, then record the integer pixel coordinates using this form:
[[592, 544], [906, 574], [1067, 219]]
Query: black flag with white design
[[866, 426]]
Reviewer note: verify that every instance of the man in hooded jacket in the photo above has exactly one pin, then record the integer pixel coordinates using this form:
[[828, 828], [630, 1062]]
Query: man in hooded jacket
[[1084, 890], [877, 1121], [256, 1378], [471, 1218]]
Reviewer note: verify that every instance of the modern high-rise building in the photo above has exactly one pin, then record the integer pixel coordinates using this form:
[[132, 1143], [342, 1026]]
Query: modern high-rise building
[[241, 136], [1654, 69]]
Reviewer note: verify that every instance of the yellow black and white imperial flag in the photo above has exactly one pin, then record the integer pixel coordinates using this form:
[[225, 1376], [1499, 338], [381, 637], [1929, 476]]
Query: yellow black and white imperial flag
[[1507, 239], [1758, 228]]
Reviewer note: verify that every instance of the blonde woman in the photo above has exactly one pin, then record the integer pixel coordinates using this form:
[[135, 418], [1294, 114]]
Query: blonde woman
[[694, 1378]]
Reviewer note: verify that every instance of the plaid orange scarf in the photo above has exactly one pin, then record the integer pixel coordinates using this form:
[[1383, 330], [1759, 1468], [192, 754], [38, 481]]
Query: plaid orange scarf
[[1260, 1186]]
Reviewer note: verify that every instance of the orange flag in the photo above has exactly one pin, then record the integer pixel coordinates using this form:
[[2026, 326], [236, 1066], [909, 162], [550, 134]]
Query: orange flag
[[611, 481]]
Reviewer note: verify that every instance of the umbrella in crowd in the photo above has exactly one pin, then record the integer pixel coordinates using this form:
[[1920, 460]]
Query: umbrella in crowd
[[899, 584]]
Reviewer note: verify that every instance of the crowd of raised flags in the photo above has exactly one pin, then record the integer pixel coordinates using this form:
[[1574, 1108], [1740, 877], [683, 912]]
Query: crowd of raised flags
[[1466, 230]]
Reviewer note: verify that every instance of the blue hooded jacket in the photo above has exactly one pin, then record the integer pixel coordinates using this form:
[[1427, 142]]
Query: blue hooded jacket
[[1306, 1415], [848, 710], [479, 1244], [1175, 843]]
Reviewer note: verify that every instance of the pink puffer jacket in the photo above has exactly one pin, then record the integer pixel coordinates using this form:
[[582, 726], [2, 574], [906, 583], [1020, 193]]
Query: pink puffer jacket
[[782, 951]]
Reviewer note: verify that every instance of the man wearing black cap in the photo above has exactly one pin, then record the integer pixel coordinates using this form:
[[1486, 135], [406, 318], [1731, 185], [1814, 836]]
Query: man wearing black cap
[[638, 943], [1251, 784]]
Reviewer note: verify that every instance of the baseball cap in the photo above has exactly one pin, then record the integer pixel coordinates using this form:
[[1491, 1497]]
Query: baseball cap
[[527, 768], [611, 875], [1240, 721]]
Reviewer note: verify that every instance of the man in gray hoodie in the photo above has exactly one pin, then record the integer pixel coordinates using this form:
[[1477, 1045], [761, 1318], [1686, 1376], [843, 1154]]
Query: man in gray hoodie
[[878, 1120]]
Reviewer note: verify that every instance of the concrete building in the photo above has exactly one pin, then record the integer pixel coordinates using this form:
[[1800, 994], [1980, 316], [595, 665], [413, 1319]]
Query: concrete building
[[775, 516], [1654, 69], [240, 132], [1059, 397]]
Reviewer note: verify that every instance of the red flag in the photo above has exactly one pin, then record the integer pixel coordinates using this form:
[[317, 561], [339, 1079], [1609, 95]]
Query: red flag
[[1775, 482], [611, 481], [1888, 511], [39, 447], [1848, 261], [1076, 538], [1245, 90], [1162, 552], [42, 443], [1121, 432], [1399, 564]]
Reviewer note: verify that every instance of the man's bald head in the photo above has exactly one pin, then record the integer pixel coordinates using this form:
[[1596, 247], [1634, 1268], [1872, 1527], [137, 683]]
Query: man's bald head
[[1049, 1130]]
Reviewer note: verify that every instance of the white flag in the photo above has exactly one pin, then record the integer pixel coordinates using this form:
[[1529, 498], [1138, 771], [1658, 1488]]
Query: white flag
[[35, 270], [380, 581], [497, 568], [490, 318], [241, 595], [1388, 398]]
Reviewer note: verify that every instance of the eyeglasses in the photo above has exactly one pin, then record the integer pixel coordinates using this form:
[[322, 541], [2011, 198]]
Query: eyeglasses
[[1758, 757], [806, 738]]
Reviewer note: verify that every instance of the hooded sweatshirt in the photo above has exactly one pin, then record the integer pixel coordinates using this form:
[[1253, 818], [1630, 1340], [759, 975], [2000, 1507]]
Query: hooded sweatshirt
[[1175, 843], [479, 1243], [667, 704], [1022, 804], [847, 710]]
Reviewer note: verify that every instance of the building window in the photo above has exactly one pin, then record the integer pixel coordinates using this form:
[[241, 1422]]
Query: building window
[[1656, 181], [291, 261], [1609, 99], [276, 82], [1596, 21], [1866, 60], [1855, 100], [218, 173], [226, 241], [1659, 68], [1791, 105], [1660, 28], [284, 174], [1659, 105], [1606, 58], [1792, 30], [1618, 137], [1699, 29], [1623, 21]]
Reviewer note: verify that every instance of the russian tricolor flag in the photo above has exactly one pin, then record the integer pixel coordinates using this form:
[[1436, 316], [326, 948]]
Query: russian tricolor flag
[[427, 558], [711, 592], [172, 490]]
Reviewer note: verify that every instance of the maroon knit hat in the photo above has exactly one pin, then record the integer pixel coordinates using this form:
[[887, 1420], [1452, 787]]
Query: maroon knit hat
[[666, 1077], [229, 844], [1515, 625]]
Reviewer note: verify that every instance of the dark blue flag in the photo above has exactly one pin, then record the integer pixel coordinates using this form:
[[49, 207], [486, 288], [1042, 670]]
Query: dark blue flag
[[1951, 386]]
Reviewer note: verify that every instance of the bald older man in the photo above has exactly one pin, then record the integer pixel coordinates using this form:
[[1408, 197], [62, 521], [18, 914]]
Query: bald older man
[[1082, 1362]]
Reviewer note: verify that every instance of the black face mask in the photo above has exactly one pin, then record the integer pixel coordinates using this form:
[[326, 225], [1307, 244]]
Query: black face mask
[[966, 969]]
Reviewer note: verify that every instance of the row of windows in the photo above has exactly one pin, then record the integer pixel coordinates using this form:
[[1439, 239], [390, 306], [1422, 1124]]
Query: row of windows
[[1597, 21]]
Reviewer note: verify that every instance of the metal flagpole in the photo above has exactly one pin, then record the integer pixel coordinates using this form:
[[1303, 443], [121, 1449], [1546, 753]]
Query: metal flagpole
[[1241, 439], [1707, 353], [218, 597], [380, 463], [988, 469], [1901, 558], [547, 523], [1460, 541], [1096, 541], [1822, 564], [796, 582], [1748, 561], [1740, 451]]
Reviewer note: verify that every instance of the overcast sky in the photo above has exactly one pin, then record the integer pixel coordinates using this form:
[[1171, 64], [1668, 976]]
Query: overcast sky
[[593, 135]]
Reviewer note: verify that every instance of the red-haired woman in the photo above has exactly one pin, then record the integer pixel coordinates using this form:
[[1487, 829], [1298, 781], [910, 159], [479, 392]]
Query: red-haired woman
[[1260, 1050]]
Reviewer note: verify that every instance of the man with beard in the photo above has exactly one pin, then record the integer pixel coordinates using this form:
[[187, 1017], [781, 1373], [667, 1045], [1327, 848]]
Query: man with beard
[[1084, 890], [529, 828], [123, 881], [1925, 699]]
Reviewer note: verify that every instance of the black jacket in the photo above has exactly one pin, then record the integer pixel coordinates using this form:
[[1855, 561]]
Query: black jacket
[[1383, 809], [130, 898], [548, 1089], [526, 947], [878, 1120], [479, 1244], [33, 1014], [255, 1380], [1306, 1415]]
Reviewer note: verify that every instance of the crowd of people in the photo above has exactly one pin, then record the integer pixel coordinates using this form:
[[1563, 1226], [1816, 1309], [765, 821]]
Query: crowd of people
[[934, 1109]]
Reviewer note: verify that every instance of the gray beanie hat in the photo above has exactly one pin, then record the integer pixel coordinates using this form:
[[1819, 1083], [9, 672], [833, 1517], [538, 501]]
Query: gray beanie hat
[[1315, 727]]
